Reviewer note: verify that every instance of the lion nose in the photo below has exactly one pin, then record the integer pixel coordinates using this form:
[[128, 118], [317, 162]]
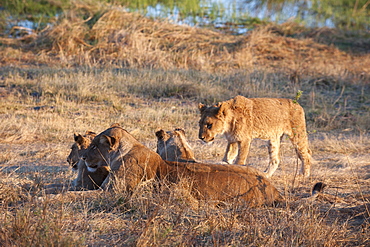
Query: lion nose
[[201, 137]]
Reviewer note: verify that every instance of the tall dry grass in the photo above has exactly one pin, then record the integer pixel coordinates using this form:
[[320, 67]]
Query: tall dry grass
[[128, 39], [107, 35]]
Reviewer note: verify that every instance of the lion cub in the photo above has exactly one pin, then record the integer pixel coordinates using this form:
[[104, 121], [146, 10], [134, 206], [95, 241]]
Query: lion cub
[[242, 119], [85, 179], [173, 146]]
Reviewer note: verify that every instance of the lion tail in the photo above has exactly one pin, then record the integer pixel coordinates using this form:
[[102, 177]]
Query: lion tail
[[317, 188]]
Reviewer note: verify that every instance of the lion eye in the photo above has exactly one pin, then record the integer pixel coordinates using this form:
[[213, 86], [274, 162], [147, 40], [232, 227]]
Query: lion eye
[[209, 126]]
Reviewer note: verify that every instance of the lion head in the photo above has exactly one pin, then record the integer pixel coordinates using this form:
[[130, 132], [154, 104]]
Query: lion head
[[212, 122], [129, 161], [97, 154], [172, 146], [80, 145]]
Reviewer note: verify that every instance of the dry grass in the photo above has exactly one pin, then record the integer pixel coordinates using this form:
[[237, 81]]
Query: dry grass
[[111, 36], [169, 70], [42, 108]]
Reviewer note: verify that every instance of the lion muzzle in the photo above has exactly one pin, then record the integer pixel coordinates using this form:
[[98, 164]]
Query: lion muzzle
[[91, 168], [72, 163], [206, 140]]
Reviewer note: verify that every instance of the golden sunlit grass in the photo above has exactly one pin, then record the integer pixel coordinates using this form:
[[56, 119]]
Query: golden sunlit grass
[[111, 36], [169, 70], [42, 109]]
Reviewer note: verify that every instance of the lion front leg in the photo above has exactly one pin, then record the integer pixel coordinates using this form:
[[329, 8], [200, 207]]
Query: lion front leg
[[231, 152], [243, 152], [274, 153], [78, 182]]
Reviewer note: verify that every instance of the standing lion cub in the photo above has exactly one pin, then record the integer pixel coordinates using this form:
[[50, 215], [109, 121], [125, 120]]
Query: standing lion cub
[[242, 119]]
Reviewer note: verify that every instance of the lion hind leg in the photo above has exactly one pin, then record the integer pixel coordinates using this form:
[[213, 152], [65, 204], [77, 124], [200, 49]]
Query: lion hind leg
[[231, 152], [274, 153], [304, 154]]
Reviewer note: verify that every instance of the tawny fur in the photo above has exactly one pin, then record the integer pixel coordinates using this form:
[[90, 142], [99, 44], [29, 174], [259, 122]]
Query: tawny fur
[[128, 159], [202, 169], [131, 162], [85, 179], [173, 146], [81, 143], [242, 119]]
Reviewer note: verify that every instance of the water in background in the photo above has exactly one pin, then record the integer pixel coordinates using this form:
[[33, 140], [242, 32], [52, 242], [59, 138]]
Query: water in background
[[238, 16]]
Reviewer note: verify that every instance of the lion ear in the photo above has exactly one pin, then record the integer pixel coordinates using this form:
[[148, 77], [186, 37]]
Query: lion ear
[[160, 134], [90, 133], [201, 107], [109, 140], [181, 130], [115, 125], [78, 138], [222, 108]]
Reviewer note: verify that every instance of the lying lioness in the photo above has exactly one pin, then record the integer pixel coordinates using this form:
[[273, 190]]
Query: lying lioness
[[81, 143], [131, 162], [85, 179], [172, 146], [242, 119]]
